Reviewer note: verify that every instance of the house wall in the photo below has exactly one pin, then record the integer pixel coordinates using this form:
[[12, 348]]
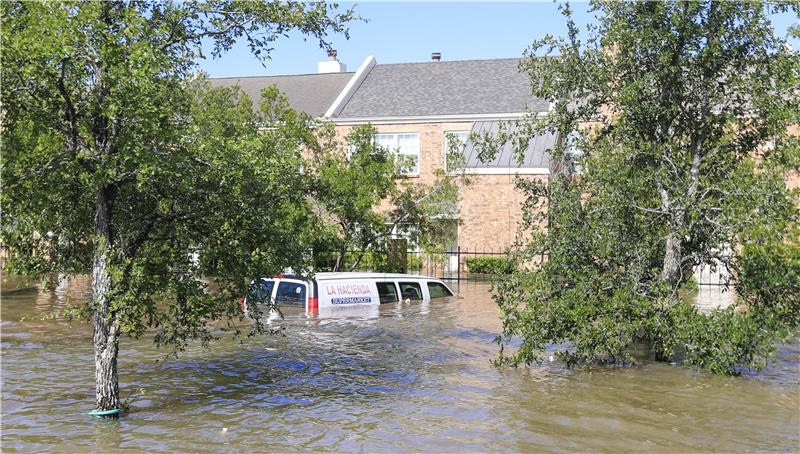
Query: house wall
[[489, 208]]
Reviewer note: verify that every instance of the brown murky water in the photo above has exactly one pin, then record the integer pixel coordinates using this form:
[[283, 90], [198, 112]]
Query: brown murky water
[[414, 378]]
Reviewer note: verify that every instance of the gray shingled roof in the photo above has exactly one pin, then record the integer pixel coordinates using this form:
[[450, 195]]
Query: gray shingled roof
[[535, 155], [309, 93], [443, 88]]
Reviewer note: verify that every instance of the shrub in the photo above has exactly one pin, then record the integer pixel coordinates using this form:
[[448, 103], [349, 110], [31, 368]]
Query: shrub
[[490, 265]]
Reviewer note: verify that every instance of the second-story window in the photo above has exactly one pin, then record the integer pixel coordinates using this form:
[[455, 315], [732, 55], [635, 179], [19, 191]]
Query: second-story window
[[454, 144], [406, 145]]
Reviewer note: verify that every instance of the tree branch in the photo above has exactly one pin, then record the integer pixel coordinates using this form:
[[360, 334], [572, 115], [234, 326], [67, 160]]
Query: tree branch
[[72, 117]]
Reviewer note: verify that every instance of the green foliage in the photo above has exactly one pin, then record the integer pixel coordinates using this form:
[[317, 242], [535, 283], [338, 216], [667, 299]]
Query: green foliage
[[371, 261], [685, 154], [769, 281], [118, 159], [490, 265], [723, 341]]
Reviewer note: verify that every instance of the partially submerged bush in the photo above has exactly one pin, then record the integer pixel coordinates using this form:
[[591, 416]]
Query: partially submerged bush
[[490, 265]]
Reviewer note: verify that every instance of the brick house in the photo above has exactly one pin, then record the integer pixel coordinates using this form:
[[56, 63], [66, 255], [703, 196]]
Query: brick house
[[413, 106]]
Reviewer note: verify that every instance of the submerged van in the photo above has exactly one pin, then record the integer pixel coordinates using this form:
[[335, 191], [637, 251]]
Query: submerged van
[[328, 291]]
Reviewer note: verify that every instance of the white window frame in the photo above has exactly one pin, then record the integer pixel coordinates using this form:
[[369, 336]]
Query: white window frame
[[391, 140], [406, 231], [573, 152], [446, 143]]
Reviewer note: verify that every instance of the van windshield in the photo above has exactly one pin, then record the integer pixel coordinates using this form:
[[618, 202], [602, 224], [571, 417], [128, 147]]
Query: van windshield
[[261, 291]]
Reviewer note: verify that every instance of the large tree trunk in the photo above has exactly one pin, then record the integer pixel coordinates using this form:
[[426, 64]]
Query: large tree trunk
[[106, 327], [671, 270]]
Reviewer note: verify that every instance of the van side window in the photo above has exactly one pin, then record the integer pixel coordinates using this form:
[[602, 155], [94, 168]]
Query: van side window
[[291, 294], [438, 290], [410, 290], [261, 291], [387, 292]]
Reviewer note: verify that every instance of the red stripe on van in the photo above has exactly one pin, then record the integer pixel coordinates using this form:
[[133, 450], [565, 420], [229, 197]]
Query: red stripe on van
[[313, 305]]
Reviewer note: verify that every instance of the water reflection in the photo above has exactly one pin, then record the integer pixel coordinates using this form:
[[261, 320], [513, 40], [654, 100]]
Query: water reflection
[[409, 377]]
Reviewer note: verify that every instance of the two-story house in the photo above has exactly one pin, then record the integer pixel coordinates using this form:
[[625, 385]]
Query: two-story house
[[414, 107]]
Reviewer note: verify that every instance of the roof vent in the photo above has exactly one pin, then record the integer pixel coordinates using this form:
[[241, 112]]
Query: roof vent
[[332, 65], [436, 56]]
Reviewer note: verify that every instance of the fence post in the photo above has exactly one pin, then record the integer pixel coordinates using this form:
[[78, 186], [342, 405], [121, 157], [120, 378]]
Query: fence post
[[458, 264]]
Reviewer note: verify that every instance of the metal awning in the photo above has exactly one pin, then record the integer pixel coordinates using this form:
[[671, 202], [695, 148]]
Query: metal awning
[[536, 154]]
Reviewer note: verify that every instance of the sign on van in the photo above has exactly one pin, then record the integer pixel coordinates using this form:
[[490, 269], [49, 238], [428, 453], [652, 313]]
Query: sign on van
[[342, 293]]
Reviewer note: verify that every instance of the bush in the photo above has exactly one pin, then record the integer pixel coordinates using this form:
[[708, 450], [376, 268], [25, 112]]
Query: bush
[[490, 265], [372, 261], [769, 279]]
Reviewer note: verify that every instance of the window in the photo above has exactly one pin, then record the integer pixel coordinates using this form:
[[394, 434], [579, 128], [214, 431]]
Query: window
[[453, 158], [409, 233], [438, 290], [411, 290], [291, 294], [573, 152], [387, 292], [406, 145], [261, 291]]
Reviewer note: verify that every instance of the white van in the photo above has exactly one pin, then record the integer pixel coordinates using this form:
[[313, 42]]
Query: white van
[[338, 290]]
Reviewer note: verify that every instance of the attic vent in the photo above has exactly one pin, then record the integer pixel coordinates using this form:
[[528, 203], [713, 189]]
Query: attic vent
[[436, 56]]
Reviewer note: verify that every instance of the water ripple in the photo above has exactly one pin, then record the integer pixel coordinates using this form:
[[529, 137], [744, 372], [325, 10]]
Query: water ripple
[[413, 378]]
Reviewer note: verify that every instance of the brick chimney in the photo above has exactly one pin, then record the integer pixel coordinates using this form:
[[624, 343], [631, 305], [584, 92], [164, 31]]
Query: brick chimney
[[332, 65]]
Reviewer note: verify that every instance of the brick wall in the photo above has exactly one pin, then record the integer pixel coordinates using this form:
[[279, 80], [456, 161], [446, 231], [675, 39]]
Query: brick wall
[[489, 208]]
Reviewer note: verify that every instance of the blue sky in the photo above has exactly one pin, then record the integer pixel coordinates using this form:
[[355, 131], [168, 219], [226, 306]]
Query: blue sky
[[409, 31]]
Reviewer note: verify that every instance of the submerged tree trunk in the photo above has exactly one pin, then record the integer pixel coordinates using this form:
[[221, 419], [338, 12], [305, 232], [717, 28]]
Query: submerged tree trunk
[[106, 327]]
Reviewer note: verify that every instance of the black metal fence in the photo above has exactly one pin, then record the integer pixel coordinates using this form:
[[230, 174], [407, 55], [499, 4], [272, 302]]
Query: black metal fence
[[449, 265]]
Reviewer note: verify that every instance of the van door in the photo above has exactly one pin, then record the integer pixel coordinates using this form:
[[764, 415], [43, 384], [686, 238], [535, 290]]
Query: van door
[[387, 291], [437, 290], [410, 291]]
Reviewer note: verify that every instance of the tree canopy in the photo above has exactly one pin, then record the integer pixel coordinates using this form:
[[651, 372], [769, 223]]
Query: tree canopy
[[679, 117], [120, 161]]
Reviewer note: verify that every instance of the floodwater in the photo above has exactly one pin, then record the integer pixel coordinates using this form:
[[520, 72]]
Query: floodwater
[[413, 377]]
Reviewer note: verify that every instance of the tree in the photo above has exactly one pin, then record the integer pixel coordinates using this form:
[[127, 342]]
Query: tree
[[367, 199], [119, 162], [679, 115]]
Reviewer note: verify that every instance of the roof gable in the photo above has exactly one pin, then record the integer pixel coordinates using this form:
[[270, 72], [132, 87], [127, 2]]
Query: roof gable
[[443, 88], [309, 93]]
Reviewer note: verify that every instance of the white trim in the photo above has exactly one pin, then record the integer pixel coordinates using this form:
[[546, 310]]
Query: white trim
[[507, 171], [431, 118], [396, 150], [351, 87]]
